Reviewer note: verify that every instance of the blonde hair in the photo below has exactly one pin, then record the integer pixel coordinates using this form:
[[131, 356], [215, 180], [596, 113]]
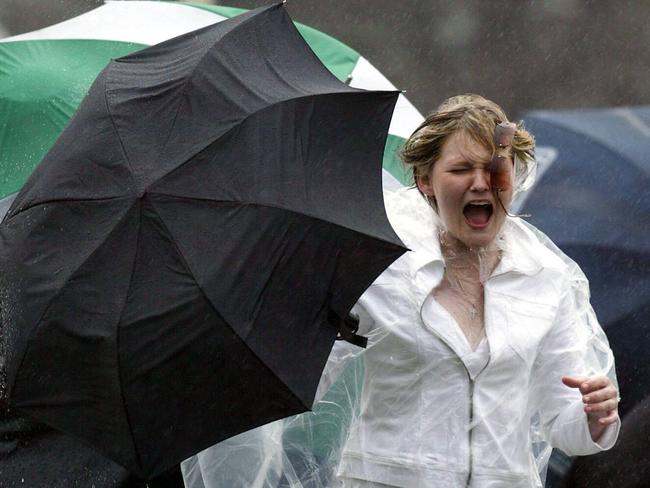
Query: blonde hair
[[475, 115]]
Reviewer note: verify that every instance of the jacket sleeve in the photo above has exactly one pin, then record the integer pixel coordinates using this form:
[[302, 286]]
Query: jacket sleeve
[[569, 348]]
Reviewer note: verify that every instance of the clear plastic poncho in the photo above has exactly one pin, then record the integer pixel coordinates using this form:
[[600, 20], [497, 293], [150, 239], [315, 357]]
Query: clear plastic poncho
[[381, 402]]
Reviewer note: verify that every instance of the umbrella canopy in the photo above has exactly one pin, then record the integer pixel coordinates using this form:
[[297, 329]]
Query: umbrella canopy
[[176, 269], [45, 74], [592, 200]]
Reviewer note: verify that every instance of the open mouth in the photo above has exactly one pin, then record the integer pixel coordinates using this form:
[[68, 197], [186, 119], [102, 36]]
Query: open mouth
[[477, 214]]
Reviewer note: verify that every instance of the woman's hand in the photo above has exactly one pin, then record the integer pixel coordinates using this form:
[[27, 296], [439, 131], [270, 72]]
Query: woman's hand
[[601, 399]]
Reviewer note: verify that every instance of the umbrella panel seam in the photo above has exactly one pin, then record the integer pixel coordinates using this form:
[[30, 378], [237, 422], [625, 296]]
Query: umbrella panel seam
[[277, 207], [117, 340], [125, 155], [49, 305], [9, 216]]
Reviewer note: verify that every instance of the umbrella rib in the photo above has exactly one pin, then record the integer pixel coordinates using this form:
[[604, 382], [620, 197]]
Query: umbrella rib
[[55, 296], [277, 207], [117, 132], [117, 343], [65, 200], [189, 270]]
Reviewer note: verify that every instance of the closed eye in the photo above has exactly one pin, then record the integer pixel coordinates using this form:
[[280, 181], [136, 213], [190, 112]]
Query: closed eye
[[462, 168]]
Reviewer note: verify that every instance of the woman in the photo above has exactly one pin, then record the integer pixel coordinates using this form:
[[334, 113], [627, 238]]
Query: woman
[[480, 330], [482, 344]]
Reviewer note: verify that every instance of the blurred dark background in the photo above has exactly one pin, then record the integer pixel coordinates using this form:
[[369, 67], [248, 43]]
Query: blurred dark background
[[523, 54]]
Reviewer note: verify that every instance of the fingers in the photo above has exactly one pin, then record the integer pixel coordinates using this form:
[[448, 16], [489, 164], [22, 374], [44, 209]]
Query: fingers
[[601, 400], [574, 381], [594, 383], [609, 419], [601, 395], [602, 407], [586, 384]]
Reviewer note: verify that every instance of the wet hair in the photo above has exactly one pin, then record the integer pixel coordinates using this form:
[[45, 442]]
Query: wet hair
[[475, 115]]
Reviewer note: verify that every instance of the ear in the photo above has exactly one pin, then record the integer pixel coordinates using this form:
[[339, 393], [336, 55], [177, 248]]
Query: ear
[[424, 184]]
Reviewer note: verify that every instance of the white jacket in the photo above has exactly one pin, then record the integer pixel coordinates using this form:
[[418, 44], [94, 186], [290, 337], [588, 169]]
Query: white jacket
[[436, 414]]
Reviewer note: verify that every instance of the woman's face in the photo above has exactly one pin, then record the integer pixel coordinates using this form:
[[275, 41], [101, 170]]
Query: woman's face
[[460, 183]]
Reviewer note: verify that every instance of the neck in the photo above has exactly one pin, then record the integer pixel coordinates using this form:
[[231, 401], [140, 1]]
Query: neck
[[463, 262]]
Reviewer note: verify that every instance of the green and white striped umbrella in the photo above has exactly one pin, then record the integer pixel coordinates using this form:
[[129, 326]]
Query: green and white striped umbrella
[[45, 74]]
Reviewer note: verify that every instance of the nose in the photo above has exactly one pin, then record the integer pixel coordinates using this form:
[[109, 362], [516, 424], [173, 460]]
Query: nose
[[480, 180]]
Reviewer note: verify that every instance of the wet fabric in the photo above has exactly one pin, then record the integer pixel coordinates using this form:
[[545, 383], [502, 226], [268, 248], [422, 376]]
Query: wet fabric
[[419, 407]]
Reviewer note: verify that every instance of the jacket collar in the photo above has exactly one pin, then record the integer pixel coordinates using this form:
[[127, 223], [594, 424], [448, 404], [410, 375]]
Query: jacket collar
[[528, 251], [416, 224], [522, 253]]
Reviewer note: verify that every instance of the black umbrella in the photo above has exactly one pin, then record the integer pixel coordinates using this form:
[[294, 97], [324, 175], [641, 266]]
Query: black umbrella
[[177, 268], [592, 199]]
